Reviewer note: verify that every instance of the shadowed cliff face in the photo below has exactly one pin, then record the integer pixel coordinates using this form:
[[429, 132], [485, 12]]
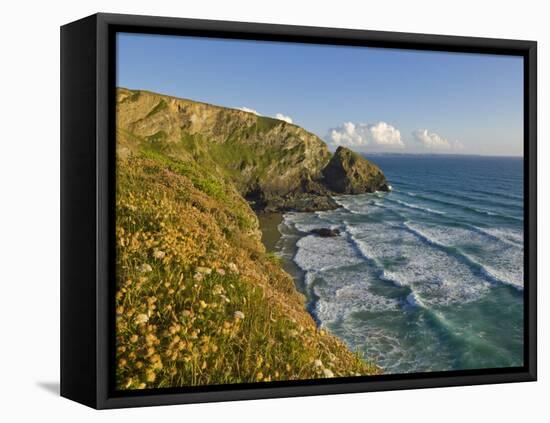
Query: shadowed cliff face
[[273, 164], [349, 173]]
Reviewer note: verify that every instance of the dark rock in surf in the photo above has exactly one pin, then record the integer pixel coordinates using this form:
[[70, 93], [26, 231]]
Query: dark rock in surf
[[326, 232], [384, 188]]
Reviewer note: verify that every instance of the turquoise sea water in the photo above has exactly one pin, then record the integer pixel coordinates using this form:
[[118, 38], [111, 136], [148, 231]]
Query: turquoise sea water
[[428, 277]]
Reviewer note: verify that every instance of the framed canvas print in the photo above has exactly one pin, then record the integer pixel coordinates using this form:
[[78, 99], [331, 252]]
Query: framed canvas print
[[254, 211]]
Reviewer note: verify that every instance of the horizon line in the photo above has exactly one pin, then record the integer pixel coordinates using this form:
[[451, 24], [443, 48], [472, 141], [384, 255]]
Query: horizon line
[[439, 154]]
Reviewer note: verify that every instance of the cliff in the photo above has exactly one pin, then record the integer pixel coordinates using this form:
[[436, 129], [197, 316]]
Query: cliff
[[349, 173], [273, 164], [198, 299]]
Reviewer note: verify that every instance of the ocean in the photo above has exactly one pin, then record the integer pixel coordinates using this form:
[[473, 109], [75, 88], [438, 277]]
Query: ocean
[[427, 277]]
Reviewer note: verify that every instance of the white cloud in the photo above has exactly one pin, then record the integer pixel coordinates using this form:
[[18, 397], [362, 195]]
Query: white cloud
[[280, 116], [246, 109], [458, 145], [433, 141], [381, 135], [384, 134]]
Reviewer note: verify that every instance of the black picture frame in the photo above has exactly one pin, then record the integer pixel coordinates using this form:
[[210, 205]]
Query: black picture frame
[[87, 208]]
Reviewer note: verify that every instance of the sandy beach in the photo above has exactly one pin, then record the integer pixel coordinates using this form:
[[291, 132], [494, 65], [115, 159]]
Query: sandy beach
[[269, 223]]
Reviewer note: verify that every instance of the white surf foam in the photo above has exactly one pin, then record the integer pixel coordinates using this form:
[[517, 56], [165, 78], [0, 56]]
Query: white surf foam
[[317, 253], [413, 300], [307, 223], [417, 207], [344, 291], [405, 260], [500, 261], [365, 204], [512, 236]]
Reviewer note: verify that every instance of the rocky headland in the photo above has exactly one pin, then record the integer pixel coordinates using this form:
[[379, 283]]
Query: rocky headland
[[274, 165]]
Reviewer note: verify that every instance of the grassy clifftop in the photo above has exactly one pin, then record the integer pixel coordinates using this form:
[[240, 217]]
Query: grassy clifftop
[[199, 301]]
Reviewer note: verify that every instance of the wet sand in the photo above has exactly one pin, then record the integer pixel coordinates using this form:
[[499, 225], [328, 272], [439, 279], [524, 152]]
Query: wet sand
[[269, 223]]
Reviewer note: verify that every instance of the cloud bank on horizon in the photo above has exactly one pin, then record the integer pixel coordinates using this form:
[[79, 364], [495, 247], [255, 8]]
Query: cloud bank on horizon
[[432, 141], [382, 136]]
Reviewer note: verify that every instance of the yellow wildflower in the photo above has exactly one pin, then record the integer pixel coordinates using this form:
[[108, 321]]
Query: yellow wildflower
[[141, 318], [158, 254], [150, 376], [146, 268], [328, 373]]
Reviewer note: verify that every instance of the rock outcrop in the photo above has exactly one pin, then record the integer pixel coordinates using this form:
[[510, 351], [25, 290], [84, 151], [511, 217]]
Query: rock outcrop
[[349, 173], [274, 165], [326, 232]]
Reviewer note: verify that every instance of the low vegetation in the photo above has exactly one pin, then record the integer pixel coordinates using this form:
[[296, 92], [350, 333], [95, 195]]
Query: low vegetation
[[199, 300]]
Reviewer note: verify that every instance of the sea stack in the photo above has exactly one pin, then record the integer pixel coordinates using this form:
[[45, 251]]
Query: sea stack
[[349, 173]]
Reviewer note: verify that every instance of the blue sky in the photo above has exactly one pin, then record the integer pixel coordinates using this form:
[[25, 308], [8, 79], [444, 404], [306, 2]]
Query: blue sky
[[368, 99]]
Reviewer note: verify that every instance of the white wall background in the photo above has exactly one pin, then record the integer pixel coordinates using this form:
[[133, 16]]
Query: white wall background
[[29, 234]]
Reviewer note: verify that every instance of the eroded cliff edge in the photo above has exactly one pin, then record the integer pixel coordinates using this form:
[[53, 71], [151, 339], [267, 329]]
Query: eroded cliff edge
[[275, 165]]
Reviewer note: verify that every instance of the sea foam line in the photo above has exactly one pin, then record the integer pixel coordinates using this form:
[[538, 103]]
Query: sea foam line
[[456, 195], [509, 196], [414, 206], [459, 254], [458, 206], [518, 244], [381, 272]]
